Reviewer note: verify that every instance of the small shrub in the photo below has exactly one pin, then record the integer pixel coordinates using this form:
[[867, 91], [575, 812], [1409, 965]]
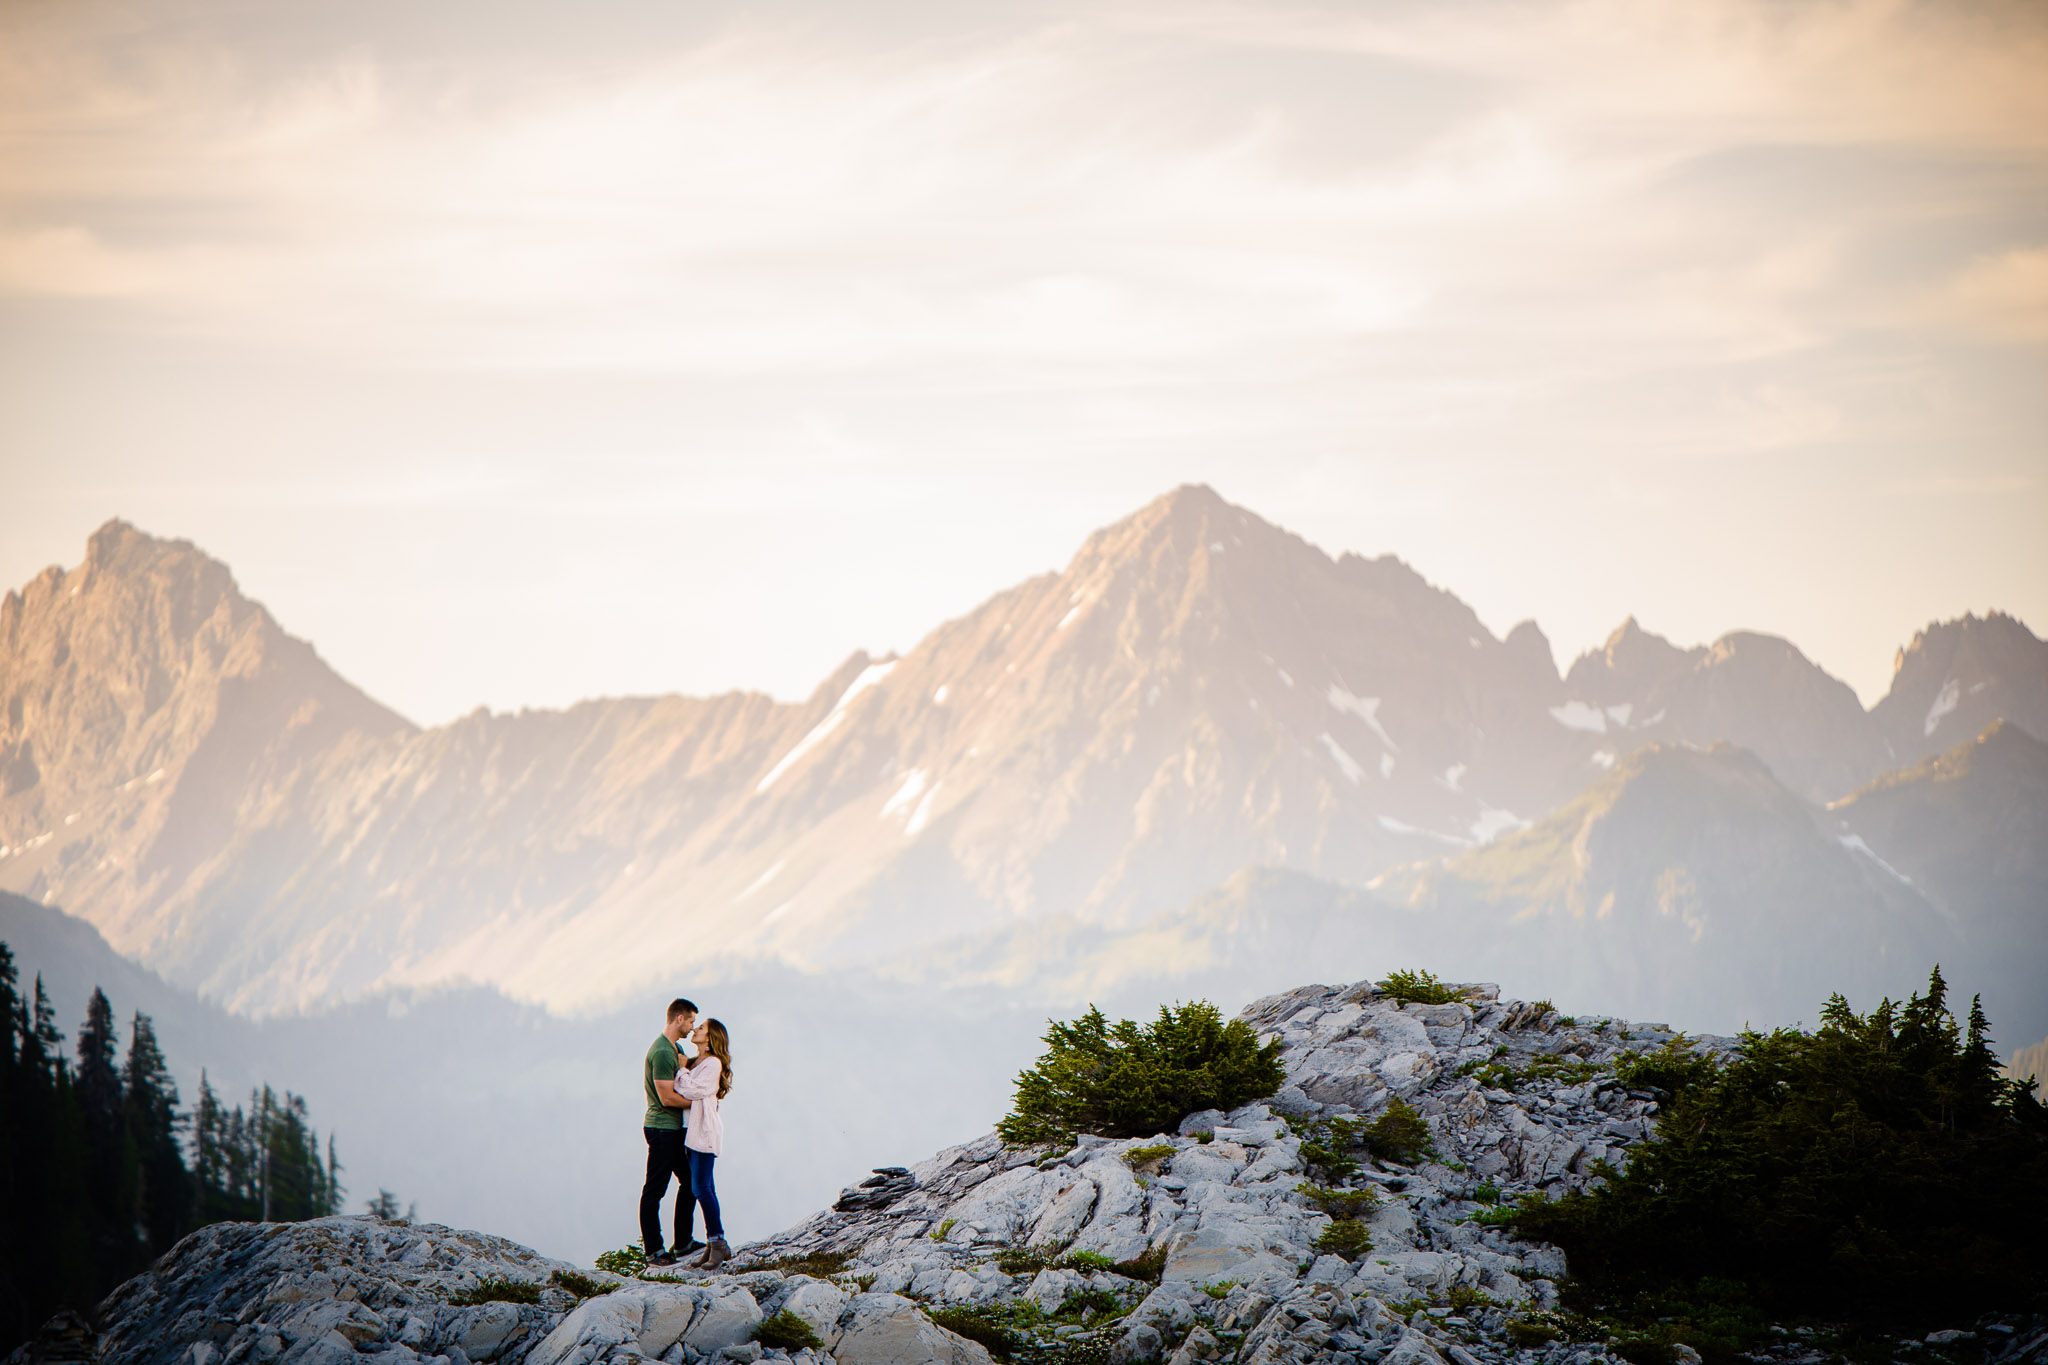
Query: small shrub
[[1498, 1216], [1150, 1155], [866, 1280], [495, 1289], [1400, 1134], [1147, 1265], [1418, 987], [1487, 1193], [627, 1261], [1088, 1260], [1128, 1080], [1091, 1308], [1028, 1260], [785, 1331], [1346, 1237], [579, 1284], [944, 1228], [1205, 1137], [1673, 1068], [1326, 1146], [1464, 1297], [1528, 1332], [979, 1325], [819, 1265], [1220, 1289], [1340, 1203]]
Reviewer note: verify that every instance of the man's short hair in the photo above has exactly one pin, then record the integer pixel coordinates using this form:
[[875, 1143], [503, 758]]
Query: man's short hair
[[680, 1006]]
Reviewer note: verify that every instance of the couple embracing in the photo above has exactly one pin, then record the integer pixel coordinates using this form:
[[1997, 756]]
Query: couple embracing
[[684, 1134]]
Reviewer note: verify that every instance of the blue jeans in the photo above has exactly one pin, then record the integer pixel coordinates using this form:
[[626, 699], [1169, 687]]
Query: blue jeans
[[704, 1192]]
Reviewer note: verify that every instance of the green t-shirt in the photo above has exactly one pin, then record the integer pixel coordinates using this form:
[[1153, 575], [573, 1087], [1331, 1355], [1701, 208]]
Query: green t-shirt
[[660, 1066]]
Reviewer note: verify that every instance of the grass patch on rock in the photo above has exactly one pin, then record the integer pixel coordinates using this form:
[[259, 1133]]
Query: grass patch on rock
[[497, 1289]]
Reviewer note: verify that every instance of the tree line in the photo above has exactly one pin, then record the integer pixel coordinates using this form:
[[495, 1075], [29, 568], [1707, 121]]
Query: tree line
[[102, 1170]]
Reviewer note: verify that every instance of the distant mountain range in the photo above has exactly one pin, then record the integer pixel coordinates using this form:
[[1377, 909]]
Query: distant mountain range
[[1085, 759]]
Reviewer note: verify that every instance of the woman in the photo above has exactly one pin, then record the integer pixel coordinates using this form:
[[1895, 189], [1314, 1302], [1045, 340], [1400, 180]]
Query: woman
[[704, 1083]]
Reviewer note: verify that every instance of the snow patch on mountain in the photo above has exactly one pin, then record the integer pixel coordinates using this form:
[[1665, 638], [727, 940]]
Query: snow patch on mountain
[[1577, 715], [869, 676], [1950, 694], [1344, 760], [1366, 709]]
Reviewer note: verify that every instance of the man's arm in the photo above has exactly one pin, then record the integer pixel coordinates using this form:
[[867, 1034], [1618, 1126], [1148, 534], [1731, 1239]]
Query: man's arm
[[667, 1091]]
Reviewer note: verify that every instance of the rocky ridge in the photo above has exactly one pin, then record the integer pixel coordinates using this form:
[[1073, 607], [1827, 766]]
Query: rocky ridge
[[1196, 1245]]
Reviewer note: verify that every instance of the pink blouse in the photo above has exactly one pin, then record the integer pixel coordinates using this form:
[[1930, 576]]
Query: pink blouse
[[698, 1083]]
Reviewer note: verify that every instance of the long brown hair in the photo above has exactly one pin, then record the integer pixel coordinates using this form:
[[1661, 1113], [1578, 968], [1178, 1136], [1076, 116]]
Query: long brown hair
[[719, 1045]]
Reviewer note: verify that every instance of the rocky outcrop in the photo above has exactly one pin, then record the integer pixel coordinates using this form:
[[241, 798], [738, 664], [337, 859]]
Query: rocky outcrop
[[1195, 1245]]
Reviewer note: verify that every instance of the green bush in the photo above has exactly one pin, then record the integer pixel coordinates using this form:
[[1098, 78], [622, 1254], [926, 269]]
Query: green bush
[[1148, 1265], [819, 1265], [1465, 1297], [1879, 1171], [1400, 1134], [579, 1284], [627, 1261], [495, 1289], [785, 1331], [1220, 1289], [1091, 1308], [1340, 1203], [1672, 1068], [943, 1229], [1326, 1146], [1128, 1080], [1417, 987], [1346, 1237], [1088, 1260], [1029, 1260], [987, 1326], [1150, 1155], [1527, 1332]]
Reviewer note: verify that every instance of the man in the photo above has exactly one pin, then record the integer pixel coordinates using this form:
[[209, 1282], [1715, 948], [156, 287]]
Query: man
[[663, 1126]]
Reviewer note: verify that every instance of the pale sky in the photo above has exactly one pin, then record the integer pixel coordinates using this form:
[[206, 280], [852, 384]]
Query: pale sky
[[515, 353]]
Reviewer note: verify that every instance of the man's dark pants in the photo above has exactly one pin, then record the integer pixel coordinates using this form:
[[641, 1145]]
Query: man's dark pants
[[665, 1157]]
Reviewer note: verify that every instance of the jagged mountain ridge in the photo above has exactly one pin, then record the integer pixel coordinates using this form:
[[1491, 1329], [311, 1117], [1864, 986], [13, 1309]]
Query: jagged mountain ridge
[[1197, 692]]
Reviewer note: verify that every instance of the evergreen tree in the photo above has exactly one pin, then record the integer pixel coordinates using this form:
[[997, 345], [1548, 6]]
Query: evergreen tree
[[151, 1097], [210, 1156], [334, 1190], [49, 1042], [91, 1161], [113, 1176]]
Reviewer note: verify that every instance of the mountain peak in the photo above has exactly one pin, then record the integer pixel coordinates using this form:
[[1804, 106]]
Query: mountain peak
[[1958, 676], [1629, 663]]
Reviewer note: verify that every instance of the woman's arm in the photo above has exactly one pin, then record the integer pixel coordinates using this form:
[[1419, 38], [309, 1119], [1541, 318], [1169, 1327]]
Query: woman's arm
[[699, 1082]]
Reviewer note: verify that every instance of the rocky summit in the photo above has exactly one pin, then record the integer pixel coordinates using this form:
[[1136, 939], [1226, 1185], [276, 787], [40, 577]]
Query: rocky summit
[[1195, 1245]]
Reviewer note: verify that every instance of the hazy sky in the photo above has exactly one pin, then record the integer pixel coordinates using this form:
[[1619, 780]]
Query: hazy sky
[[515, 353]]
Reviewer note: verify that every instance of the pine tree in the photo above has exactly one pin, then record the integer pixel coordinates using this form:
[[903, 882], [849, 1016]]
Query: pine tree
[[49, 1042], [151, 1094], [334, 1189], [113, 1173], [210, 1156], [99, 1084]]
